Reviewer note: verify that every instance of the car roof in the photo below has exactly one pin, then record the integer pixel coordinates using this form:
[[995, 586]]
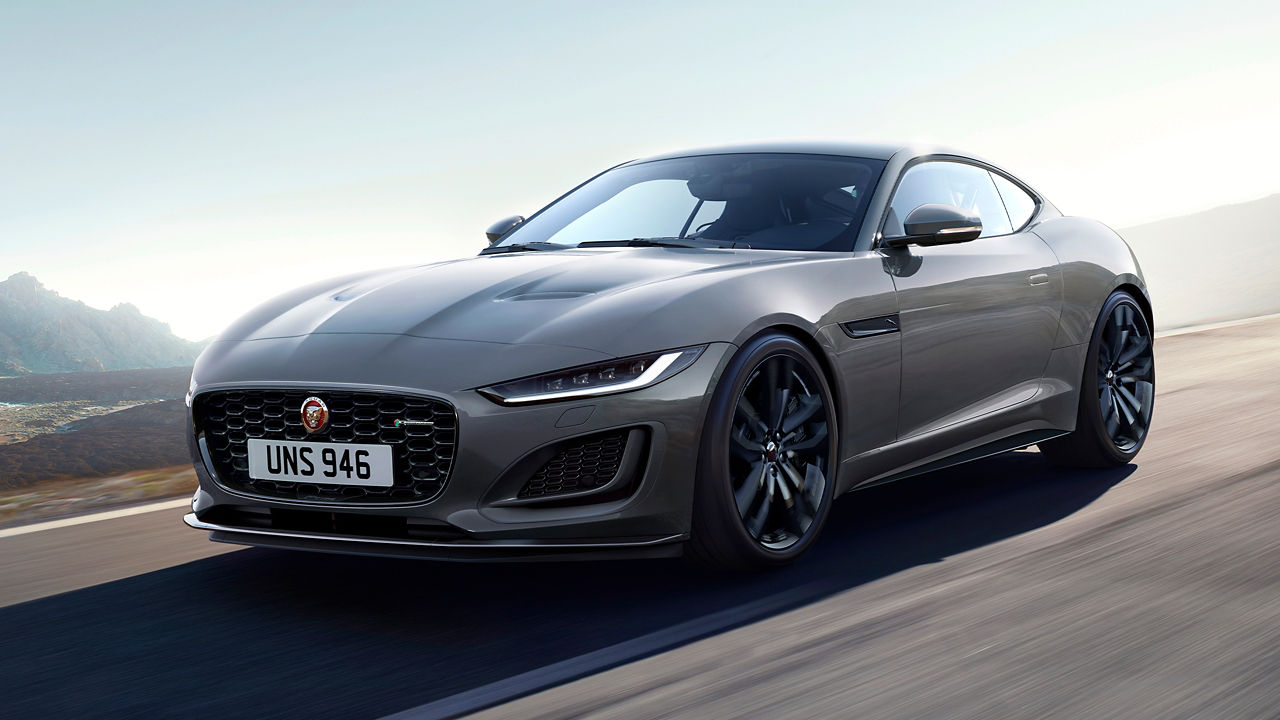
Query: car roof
[[874, 151]]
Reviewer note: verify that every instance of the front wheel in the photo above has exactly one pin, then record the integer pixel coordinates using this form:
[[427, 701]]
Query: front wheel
[[766, 470], [1117, 393]]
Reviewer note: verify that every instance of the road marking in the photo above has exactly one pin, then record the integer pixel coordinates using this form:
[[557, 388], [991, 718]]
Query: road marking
[[95, 517], [527, 683], [1215, 326], [981, 649]]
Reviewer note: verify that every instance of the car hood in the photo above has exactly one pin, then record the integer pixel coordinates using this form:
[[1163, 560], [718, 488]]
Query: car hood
[[585, 298]]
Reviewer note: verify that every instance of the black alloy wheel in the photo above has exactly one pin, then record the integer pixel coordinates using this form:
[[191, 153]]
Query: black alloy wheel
[[1126, 377], [779, 452], [1117, 394], [766, 474]]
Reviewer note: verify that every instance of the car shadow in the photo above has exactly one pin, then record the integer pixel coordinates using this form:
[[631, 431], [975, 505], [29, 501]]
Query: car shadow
[[273, 633]]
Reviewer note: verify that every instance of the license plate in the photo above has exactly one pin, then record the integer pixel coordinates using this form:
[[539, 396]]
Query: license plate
[[321, 463]]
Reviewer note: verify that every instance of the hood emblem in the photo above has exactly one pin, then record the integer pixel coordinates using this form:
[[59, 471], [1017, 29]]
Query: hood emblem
[[315, 414]]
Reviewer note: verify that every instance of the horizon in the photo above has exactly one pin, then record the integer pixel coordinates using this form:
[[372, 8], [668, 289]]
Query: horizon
[[208, 338], [160, 156]]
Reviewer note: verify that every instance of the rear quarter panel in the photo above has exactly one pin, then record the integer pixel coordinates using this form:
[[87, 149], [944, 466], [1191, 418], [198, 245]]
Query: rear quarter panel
[[1095, 260]]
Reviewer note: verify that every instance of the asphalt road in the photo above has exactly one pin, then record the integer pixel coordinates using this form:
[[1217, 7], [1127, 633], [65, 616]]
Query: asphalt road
[[1003, 588]]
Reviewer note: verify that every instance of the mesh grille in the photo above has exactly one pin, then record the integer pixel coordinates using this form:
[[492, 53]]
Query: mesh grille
[[422, 454], [585, 465]]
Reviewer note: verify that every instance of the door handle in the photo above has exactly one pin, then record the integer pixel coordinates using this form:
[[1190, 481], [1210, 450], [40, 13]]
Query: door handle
[[1038, 279]]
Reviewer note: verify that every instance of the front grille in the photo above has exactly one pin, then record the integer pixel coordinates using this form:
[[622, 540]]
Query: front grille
[[584, 465], [422, 454]]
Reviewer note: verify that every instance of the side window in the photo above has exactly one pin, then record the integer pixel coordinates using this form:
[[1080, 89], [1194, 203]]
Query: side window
[[1020, 205], [949, 183]]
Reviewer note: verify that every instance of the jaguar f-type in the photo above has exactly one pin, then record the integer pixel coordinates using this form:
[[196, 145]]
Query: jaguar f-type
[[694, 354]]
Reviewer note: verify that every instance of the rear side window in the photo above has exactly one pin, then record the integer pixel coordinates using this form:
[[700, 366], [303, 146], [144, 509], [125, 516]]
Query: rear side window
[[968, 187], [1020, 205]]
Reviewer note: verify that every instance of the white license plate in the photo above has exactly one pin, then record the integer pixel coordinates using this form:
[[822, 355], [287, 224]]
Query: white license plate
[[321, 463]]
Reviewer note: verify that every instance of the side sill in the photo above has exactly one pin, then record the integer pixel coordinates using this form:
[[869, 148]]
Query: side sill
[[997, 447]]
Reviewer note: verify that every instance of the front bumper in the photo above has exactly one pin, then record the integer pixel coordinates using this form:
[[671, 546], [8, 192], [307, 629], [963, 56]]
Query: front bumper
[[473, 517]]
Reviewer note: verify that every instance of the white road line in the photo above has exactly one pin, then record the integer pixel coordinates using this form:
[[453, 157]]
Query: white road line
[[95, 517], [527, 683], [1215, 326]]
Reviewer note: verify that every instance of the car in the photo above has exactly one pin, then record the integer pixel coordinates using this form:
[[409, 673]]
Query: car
[[689, 354]]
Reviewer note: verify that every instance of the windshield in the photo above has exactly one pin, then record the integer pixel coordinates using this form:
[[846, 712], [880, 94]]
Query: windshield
[[771, 201]]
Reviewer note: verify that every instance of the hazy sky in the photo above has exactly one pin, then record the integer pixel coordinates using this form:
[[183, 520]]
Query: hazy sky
[[195, 158]]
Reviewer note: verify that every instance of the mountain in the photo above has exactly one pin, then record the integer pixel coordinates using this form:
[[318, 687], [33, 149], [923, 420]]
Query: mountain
[[43, 332], [1219, 264]]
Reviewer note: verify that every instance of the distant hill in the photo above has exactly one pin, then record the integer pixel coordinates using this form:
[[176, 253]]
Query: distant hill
[[43, 332], [104, 387], [1219, 264]]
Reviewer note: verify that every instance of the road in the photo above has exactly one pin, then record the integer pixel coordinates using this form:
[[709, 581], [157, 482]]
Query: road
[[1002, 588]]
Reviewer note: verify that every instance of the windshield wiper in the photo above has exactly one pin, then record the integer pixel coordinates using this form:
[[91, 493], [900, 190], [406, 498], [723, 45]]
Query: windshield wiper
[[653, 242], [521, 247]]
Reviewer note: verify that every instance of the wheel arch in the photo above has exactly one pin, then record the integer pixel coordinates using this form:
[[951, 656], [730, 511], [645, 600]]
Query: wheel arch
[[1140, 295], [804, 337], [1128, 284]]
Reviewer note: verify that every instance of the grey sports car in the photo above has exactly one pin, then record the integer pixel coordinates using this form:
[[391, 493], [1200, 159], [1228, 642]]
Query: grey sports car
[[692, 353]]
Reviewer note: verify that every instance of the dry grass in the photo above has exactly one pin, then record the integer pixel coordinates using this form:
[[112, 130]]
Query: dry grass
[[77, 442], [59, 498]]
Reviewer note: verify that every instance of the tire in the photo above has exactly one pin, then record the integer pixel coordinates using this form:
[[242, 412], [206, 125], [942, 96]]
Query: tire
[[1117, 392], [766, 468]]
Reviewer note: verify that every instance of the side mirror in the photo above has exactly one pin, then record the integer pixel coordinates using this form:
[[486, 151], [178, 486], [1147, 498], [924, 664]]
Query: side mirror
[[502, 227], [937, 224]]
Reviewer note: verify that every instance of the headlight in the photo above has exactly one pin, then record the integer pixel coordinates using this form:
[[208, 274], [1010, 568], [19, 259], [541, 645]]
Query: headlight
[[191, 390], [607, 378]]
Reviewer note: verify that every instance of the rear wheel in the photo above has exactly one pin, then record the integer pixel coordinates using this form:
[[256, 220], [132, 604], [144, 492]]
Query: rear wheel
[[1117, 393], [766, 468]]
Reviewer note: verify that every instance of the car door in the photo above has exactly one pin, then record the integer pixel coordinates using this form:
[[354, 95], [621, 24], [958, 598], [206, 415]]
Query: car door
[[977, 318]]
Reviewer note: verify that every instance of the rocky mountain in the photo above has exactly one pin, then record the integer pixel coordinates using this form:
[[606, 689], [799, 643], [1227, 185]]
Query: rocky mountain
[[43, 332]]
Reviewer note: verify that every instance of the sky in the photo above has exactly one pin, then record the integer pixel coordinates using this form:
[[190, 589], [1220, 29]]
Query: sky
[[197, 158]]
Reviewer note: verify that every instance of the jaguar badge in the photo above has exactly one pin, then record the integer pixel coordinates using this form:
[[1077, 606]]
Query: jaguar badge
[[315, 414]]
